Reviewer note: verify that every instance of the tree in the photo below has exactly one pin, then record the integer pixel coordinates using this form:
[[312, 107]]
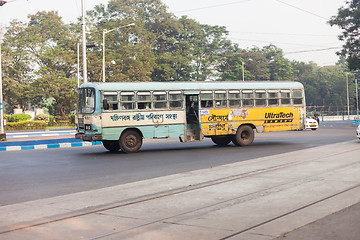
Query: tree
[[280, 67], [210, 48], [254, 62], [44, 57], [348, 19], [130, 52], [16, 66]]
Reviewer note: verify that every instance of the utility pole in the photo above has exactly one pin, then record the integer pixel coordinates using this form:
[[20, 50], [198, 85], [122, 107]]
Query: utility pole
[[84, 41], [78, 64], [357, 98], [2, 132], [347, 95]]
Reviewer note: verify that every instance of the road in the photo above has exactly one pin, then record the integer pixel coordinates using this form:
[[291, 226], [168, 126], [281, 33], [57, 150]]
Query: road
[[37, 174]]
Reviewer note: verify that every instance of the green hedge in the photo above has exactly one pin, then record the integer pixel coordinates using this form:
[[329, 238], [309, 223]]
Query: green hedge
[[19, 117], [25, 125]]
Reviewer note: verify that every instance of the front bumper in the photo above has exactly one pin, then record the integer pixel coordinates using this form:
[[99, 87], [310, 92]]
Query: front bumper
[[87, 137]]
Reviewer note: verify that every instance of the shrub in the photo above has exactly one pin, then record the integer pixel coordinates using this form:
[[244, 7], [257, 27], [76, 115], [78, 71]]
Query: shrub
[[43, 117], [52, 120], [19, 117], [25, 125], [71, 118]]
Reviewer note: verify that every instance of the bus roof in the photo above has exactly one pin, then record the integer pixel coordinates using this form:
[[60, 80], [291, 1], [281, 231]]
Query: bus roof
[[206, 85]]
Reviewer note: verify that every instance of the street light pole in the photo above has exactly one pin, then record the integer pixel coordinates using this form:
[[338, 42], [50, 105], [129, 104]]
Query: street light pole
[[104, 33], [243, 74], [357, 98], [347, 94], [103, 59], [78, 64], [84, 41], [2, 133]]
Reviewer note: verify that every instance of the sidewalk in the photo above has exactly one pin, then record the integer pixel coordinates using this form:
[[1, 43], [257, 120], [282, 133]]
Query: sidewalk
[[42, 140]]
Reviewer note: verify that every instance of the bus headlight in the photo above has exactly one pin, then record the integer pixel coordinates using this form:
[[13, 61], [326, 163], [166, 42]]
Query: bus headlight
[[88, 127]]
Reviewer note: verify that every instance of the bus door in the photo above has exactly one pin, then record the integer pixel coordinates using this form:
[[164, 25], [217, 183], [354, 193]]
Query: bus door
[[192, 126]]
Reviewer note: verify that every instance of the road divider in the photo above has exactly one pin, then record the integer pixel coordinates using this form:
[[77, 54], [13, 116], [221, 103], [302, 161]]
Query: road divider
[[44, 144]]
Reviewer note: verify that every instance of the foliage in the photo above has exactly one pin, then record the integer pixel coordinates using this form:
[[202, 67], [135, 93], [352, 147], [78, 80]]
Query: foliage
[[71, 119], [43, 117], [25, 125], [41, 60], [52, 120], [40, 55], [19, 117], [348, 19]]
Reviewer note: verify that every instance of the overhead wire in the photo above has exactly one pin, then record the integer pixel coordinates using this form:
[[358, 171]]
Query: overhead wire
[[303, 10], [314, 50], [213, 6]]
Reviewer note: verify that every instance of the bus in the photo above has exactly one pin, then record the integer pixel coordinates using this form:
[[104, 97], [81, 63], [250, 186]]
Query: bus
[[122, 114]]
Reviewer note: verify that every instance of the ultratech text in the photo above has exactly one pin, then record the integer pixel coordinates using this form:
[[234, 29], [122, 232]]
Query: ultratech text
[[279, 115]]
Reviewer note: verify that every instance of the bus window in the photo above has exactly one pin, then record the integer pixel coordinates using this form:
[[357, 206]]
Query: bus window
[[175, 99], [160, 100], [86, 100], [206, 99], [247, 98], [273, 97], [127, 100], [144, 100], [234, 98], [297, 97], [260, 98], [111, 100], [285, 97], [220, 99]]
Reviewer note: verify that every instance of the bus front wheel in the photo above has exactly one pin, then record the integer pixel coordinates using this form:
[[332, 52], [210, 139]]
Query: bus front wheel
[[244, 136], [221, 141], [130, 141], [112, 146]]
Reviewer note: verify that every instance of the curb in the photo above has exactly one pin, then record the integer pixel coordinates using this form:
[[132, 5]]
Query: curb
[[48, 146]]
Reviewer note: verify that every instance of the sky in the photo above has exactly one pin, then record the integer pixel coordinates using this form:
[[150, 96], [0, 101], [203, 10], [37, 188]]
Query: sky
[[298, 27]]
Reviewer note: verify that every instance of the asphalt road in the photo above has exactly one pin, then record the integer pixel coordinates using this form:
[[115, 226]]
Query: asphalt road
[[36, 174]]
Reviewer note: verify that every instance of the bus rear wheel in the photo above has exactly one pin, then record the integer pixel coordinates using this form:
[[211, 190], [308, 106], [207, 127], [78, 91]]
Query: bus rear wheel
[[221, 141], [244, 136], [112, 146], [130, 141]]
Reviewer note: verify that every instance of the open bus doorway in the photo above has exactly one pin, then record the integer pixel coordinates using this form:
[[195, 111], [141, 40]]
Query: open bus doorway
[[192, 128]]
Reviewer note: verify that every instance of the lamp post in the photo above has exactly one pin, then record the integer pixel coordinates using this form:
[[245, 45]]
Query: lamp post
[[2, 133], [243, 74], [104, 33], [84, 41], [347, 95], [357, 98]]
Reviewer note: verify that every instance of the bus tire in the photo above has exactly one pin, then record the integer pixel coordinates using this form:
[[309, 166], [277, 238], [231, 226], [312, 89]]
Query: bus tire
[[244, 136], [130, 141], [111, 145], [221, 141]]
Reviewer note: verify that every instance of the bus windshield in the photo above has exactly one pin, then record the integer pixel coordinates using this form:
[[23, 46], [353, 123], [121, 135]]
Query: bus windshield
[[86, 100]]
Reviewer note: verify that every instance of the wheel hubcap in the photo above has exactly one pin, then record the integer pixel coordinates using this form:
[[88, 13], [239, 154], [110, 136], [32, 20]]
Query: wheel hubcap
[[131, 141]]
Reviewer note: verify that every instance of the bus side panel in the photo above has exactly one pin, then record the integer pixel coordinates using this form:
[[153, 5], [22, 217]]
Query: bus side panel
[[226, 121], [160, 131]]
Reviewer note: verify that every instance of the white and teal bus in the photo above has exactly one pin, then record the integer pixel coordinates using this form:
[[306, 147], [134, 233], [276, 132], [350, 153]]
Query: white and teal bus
[[122, 114]]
